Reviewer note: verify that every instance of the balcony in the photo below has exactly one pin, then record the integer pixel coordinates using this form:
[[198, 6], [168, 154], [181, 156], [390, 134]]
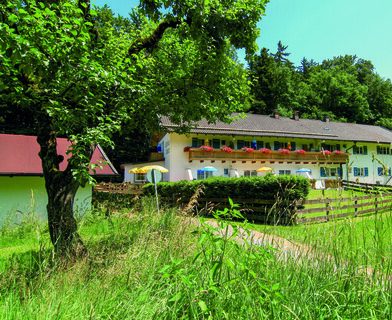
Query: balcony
[[274, 156], [156, 156]]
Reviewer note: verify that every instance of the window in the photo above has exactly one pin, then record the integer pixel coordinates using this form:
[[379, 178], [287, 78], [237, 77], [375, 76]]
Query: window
[[361, 172], [140, 177], [329, 172], [243, 143], [284, 172], [226, 171], [383, 150], [360, 150], [284, 145], [330, 147], [383, 172], [216, 143], [203, 174], [197, 143], [250, 173]]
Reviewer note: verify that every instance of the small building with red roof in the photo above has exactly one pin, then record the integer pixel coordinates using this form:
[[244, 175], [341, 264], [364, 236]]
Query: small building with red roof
[[22, 186]]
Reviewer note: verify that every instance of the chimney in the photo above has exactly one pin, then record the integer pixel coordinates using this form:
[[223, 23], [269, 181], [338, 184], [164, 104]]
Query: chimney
[[326, 118], [276, 113], [296, 116]]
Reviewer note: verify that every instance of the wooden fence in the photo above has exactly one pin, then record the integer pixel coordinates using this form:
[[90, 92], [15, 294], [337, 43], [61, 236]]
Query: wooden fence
[[325, 209], [365, 187], [125, 188], [343, 207]]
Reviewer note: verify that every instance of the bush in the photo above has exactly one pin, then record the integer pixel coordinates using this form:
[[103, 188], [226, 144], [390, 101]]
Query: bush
[[267, 187]]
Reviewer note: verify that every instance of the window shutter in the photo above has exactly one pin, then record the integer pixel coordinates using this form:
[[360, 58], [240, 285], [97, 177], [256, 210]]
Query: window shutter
[[355, 150], [293, 146], [276, 145], [366, 171], [260, 144], [240, 144], [339, 172], [355, 171], [365, 150], [379, 171], [323, 172], [216, 143]]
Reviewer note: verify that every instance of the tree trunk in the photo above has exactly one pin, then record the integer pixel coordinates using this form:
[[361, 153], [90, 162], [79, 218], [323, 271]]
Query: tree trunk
[[61, 188], [61, 221]]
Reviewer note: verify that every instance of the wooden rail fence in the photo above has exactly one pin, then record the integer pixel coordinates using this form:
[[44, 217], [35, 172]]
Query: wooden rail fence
[[343, 207], [374, 200], [125, 188]]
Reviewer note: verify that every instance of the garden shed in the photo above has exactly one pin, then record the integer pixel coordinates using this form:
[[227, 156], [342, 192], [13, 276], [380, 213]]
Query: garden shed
[[22, 186]]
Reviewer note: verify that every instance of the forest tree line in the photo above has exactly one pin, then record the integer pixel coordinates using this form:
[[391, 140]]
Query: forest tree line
[[346, 88]]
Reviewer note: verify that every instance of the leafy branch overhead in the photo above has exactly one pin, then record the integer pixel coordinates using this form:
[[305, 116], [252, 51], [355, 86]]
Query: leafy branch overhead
[[81, 73]]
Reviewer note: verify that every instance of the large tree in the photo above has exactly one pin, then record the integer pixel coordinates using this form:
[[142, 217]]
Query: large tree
[[81, 77]]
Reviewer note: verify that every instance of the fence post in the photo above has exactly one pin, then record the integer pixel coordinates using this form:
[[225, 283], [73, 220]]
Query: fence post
[[356, 207], [327, 205]]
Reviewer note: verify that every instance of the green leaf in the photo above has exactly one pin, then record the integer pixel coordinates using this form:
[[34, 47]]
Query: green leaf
[[12, 18], [203, 306]]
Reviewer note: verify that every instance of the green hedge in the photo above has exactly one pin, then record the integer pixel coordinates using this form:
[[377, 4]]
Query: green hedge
[[267, 187]]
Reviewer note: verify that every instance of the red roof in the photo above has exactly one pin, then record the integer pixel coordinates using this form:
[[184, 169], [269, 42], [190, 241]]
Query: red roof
[[19, 156]]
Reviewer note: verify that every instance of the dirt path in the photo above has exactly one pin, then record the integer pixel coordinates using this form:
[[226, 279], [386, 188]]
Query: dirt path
[[286, 249]]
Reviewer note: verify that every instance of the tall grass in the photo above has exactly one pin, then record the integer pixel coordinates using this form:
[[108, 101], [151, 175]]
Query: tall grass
[[142, 265]]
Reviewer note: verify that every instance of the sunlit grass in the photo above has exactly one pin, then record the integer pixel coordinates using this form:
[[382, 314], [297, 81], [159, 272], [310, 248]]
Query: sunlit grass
[[142, 265]]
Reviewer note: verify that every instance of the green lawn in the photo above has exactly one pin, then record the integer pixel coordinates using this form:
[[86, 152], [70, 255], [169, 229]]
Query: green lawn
[[142, 265]]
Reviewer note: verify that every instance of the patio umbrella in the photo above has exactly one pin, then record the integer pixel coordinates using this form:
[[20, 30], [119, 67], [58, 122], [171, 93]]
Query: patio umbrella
[[304, 170], [146, 169], [264, 169], [209, 169], [136, 170]]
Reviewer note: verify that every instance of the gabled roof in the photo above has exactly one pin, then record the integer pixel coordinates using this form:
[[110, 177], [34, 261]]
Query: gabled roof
[[256, 125], [19, 156]]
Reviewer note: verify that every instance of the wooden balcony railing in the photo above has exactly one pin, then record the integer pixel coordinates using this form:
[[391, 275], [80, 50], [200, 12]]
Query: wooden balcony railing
[[156, 156], [239, 155]]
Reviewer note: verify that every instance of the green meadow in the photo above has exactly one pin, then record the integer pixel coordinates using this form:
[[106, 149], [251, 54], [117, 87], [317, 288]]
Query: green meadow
[[142, 265]]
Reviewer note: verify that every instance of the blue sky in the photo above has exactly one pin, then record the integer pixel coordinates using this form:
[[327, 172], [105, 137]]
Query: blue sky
[[320, 29]]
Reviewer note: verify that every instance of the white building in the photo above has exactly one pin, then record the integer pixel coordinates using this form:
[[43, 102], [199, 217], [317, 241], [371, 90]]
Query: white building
[[329, 149]]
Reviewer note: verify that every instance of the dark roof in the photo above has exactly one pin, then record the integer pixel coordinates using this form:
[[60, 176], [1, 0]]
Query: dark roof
[[19, 156], [256, 125]]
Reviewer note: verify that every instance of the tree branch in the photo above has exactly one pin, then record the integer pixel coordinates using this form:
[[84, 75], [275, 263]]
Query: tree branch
[[154, 38]]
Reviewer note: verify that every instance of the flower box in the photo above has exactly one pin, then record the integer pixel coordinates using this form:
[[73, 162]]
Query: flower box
[[247, 150], [337, 152], [265, 150], [226, 149], [186, 149], [300, 152], [206, 149], [326, 152], [284, 151]]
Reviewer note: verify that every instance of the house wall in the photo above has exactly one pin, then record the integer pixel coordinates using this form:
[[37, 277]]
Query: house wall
[[176, 160], [21, 196], [367, 161]]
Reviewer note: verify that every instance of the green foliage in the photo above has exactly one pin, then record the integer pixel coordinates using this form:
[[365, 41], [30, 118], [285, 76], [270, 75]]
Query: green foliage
[[142, 265], [346, 88], [82, 74], [268, 187]]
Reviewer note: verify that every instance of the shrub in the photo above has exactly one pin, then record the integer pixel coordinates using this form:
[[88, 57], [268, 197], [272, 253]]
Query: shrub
[[267, 187]]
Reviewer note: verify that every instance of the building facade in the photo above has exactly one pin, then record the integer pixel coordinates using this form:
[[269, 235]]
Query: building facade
[[322, 150]]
